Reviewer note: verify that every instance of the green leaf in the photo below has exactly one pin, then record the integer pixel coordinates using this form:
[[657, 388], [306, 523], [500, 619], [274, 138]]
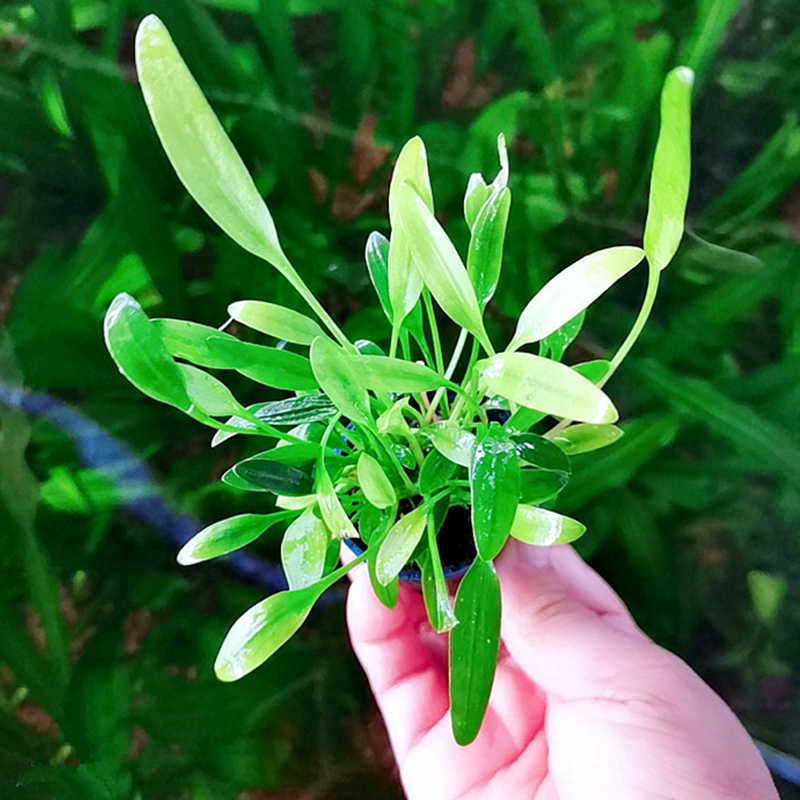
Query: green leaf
[[593, 371], [541, 453], [767, 593], [384, 374], [585, 438], [209, 347], [494, 489], [340, 380], [399, 544], [294, 411], [373, 526], [225, 536], [272, 476], [304, 548], [454, 443], [274, 320], [537, 486], [485, 255], [198, 147], [404, 280], [571, 291], [478, 193], [444, 273], [554, 346], [376, 256], [546, 386], [140, 355], [541, 527], [376, 486], [669, 181], [435, 596], [435, 472], [209, 395], [473, 649], [268, 625], [330, 507], [294, 454]]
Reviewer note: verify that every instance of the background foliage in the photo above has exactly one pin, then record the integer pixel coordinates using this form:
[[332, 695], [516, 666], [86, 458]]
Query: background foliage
[[106, 688]]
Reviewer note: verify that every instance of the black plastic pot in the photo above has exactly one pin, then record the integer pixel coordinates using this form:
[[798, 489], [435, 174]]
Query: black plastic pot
[[456, 547]]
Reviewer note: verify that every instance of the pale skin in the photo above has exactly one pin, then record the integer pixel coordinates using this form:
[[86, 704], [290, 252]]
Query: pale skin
[[584, 706]]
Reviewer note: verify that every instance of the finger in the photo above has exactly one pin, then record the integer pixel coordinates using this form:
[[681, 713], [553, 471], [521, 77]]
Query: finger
[[561, 622], [403, 664]]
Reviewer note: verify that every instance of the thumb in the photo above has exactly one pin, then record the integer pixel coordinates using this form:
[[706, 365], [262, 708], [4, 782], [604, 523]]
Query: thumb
[[562, 623]]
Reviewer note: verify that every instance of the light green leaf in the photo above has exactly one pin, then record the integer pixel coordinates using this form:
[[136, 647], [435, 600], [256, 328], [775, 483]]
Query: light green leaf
[[398, 545], [209, 395], [473, 649], [541, 527], [485, 255], [546, 386], [330, 507], [200, 151], [571, 291], [340, 380], [384, 374], [435, 594], [585, 438], [140, 355], [478, 192], [393, 421], [453, 443], [404, 280], [225, 536], [767, 593], [444, 273], [494, 489], [372, 479], [303, 549], [669, 181], [274, 320], [268, 625]]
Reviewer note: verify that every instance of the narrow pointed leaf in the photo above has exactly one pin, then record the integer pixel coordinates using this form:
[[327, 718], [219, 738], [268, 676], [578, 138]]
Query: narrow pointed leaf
[[374, 527], [436, 471], [274, 320], [593, 371], [572, 290], [435, 596], [473, 649], [555, 345], [225, 536], [544, 528], [444, 273], [304, 548], [140, 355], [399, 544], [585, 438], [538, 485], [669, 181], [485, 255], [340, 380], [494, 489], [200, 151], [330, 507], [475, 197], [376, 486], [547, 386]]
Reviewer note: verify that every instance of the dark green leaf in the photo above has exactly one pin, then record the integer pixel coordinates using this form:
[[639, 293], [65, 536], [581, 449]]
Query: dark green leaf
[[435, 472], [473, 650], [271, 476], [541, 452], [537, 486], [554, 346], [494, 489]]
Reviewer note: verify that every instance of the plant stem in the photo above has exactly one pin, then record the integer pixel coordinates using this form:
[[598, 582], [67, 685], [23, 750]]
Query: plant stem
[[294, 278], [653, 276], [437, 344]]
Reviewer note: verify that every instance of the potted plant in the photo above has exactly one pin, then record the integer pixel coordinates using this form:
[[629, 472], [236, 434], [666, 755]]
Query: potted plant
[[407, 455]]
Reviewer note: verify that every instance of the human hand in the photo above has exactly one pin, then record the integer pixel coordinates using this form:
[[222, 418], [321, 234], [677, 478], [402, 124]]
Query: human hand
[[584, 705]]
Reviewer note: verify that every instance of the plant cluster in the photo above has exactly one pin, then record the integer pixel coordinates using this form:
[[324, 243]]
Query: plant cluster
[[379, 447]]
